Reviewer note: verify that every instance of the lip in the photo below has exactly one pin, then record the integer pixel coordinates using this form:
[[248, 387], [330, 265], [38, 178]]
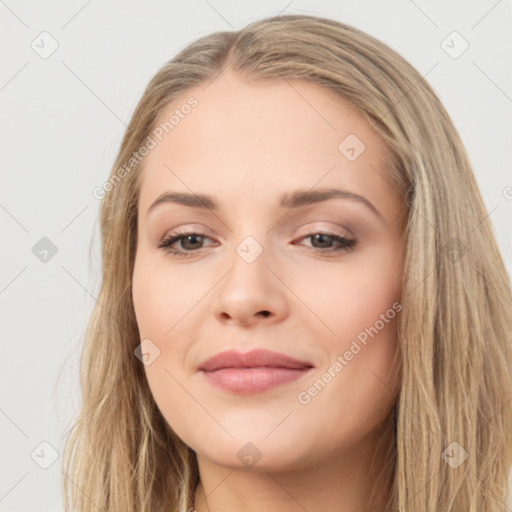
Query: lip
[[254, 371]]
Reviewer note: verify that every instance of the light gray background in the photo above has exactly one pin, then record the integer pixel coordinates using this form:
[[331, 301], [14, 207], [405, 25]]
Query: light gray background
[[62, 119]]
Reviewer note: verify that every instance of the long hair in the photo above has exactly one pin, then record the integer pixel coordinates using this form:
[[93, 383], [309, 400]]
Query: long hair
[[453, 412]]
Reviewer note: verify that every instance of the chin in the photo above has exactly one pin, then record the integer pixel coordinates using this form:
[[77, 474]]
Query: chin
[[251, 450]]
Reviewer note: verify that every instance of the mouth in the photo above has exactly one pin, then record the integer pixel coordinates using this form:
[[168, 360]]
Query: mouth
[[255, 371]]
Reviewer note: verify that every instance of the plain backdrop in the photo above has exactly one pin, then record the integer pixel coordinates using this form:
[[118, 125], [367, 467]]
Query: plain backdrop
[[71, 74]]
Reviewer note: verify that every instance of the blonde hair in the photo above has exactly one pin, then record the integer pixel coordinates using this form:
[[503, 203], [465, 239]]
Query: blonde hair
[[455, 329]]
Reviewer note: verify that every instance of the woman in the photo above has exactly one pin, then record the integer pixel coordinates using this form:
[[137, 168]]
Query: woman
[[303, 306]]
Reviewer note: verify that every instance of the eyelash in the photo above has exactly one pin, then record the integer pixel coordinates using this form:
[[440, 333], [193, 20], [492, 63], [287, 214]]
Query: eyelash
[[165, 244]]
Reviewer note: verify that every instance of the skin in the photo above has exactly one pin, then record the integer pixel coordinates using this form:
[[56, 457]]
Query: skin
[[245, 143]]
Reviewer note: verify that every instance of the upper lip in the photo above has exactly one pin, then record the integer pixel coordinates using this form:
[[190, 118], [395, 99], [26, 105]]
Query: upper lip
[[254, 358]]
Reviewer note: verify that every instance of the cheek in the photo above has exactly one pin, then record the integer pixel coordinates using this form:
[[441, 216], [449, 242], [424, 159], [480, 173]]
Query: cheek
[[161, 314], [355, 389], [158, 310], [165, 315], [360, 305], [162, 300], [350, 297]]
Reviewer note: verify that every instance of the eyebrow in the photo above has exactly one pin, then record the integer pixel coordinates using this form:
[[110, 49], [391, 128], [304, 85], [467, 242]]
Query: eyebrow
[[296, 199]]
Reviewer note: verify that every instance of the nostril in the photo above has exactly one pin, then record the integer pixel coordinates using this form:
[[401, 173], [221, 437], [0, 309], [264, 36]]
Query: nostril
[[264, 313]]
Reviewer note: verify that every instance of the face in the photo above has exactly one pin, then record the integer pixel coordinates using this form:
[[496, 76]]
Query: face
[[314, 281]]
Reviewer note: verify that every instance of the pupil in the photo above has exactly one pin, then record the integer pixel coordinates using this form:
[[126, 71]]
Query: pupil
[[324, 238], [191, 237]]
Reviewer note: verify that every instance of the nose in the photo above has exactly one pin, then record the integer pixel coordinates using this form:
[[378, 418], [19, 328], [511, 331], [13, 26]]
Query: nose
[[250, 293]]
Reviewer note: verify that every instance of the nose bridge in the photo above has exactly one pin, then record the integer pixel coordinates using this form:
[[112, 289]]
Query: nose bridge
[[250, 234], [251, 249], [249, 263]]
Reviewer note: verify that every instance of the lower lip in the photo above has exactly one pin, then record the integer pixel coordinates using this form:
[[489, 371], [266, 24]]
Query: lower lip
[[253, 380]]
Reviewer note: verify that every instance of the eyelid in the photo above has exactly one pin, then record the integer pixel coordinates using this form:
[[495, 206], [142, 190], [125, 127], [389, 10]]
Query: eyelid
[[202, 230], [334, 229], [182, 229]]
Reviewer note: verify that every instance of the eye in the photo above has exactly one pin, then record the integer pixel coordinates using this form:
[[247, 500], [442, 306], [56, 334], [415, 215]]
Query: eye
[[326, 240], [191, 242]]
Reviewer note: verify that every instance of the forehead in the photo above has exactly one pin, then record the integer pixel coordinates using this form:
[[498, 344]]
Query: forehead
[[255, 140]]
